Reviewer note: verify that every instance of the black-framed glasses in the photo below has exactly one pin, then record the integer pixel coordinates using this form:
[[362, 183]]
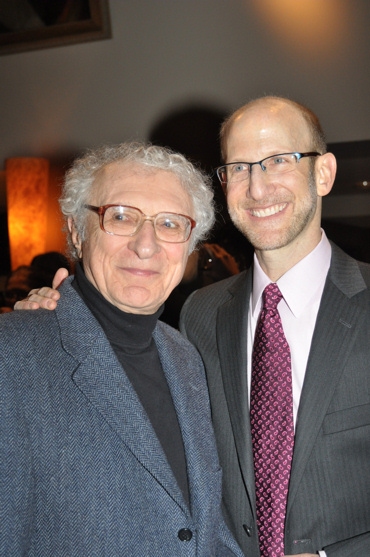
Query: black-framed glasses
[[124, 220], [273, 165]]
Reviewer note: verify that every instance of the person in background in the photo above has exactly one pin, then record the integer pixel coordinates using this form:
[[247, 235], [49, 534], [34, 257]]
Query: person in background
[[46, 264], [27, 277], [206, 265], [17, 285], [107, 447], [275, 174]]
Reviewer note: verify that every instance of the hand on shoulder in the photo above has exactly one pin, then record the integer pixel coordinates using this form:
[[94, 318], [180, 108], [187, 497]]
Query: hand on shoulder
[[44, 297]]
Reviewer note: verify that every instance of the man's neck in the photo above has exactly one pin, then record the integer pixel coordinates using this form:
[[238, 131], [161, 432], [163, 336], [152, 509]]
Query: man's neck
[[275, 263]]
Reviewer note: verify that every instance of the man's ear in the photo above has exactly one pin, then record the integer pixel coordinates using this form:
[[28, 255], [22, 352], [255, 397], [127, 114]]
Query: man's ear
[[325, 171], [75, 237]]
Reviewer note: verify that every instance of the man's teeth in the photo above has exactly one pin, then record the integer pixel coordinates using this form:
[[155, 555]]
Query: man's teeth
[[268, 211]]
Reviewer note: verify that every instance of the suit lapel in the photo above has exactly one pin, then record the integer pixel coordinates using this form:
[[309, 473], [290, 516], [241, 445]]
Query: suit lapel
[[232, 325], [186, 380], [101, 379], [340, 317]]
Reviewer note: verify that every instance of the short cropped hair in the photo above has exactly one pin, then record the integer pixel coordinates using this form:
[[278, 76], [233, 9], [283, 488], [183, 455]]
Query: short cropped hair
[[79, 180], [312, 121]]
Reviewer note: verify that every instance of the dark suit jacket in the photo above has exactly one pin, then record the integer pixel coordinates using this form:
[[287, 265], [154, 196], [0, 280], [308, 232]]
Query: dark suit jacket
[[329, 495], [82, 473]]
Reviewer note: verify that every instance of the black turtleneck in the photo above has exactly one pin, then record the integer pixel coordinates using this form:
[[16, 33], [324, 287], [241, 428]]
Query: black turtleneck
[[131, 337]]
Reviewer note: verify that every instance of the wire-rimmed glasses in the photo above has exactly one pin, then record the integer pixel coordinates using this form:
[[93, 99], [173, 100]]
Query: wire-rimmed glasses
[[124, 220], [273, 165]]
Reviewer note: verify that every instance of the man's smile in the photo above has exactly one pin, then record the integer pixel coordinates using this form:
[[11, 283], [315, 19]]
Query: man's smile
[[268, 211]]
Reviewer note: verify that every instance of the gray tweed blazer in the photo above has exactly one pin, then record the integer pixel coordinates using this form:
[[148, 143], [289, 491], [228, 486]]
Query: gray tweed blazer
[[82, 473]]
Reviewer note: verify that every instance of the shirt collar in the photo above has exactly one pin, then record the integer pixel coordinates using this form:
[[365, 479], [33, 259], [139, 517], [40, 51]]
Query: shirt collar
[[298, 285]]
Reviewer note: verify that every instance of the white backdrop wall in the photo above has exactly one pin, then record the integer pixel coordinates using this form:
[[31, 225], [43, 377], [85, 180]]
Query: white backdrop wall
[[164, 53]]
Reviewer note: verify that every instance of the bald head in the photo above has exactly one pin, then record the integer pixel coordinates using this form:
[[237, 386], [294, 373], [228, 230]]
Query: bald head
[[277, 109]]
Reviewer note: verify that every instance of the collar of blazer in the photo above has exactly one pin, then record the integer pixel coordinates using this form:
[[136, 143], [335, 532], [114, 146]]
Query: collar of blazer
[[96, 372], [98, 375]]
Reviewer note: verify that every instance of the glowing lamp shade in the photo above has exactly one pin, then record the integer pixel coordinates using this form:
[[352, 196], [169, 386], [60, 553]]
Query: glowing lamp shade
[[27, 197]]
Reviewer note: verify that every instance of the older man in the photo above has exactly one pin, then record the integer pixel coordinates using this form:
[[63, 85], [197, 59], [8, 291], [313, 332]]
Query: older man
[[107, 447]]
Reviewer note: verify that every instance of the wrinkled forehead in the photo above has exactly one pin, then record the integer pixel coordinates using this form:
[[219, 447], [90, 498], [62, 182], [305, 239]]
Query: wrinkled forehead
[[158, 186], [127, 174], [118, 170]]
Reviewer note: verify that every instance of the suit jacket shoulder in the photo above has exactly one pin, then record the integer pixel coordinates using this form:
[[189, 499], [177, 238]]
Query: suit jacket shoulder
[[349, 275], [199, 313]]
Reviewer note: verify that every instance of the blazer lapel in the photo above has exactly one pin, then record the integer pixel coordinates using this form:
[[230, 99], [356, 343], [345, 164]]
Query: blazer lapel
[[100, 377], [186, 379], [339, 319], [232, 325]]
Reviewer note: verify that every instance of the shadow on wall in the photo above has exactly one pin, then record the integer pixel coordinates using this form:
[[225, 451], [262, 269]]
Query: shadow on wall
[[193, 130]]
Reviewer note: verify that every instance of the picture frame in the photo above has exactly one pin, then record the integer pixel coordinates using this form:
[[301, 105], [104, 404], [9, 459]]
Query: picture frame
[[75, 21]]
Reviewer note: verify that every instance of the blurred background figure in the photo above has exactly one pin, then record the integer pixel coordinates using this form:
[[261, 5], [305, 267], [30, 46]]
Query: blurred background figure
[[26, 277], [46, 264], [17, 286], [209, 264]]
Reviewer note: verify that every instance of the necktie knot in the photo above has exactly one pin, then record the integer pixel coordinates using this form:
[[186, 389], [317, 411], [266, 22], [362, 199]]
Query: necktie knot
[[271, 296]]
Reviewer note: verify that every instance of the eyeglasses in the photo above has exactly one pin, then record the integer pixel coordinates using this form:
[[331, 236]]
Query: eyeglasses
[[123, 220], [273, 165]]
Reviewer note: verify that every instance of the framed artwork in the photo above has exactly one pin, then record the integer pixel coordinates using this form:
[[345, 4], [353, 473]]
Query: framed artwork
[[34, 24]]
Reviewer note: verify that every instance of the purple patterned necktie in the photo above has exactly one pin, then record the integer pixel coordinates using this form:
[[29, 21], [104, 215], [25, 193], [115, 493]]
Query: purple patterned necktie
[[271, 414]]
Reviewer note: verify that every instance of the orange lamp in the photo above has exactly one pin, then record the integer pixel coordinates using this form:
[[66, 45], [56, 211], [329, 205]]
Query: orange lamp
[[27, 204]]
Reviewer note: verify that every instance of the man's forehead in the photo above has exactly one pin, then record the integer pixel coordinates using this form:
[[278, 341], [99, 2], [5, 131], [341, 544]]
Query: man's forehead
[[269, 123], [121, 174], [123, 168], [262, 113], [120, 179]]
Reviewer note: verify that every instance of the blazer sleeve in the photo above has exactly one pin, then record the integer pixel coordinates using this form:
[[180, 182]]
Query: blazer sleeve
[[15, 464]]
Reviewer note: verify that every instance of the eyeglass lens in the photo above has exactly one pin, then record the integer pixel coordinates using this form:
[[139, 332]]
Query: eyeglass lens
[[126, 221], [276, 164]]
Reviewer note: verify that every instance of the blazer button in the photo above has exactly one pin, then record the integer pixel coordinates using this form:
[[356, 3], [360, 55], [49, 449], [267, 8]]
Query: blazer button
[[248, 530], [185, 534]]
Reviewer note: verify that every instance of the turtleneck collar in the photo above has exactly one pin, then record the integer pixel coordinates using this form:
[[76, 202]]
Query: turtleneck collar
[[129, 330]]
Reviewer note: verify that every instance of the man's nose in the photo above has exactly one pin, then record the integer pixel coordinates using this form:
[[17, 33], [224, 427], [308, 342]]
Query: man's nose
[[144, 243], [259, 183]]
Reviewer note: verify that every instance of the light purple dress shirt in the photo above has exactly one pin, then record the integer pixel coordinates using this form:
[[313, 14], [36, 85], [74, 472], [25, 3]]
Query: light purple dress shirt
[[302, 288]]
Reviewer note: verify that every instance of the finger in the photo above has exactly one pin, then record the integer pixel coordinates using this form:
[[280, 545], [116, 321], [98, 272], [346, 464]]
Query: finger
[[26, 304], [42, 293], [33, 291], [39, 298], [59, 277], [44, 303]]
